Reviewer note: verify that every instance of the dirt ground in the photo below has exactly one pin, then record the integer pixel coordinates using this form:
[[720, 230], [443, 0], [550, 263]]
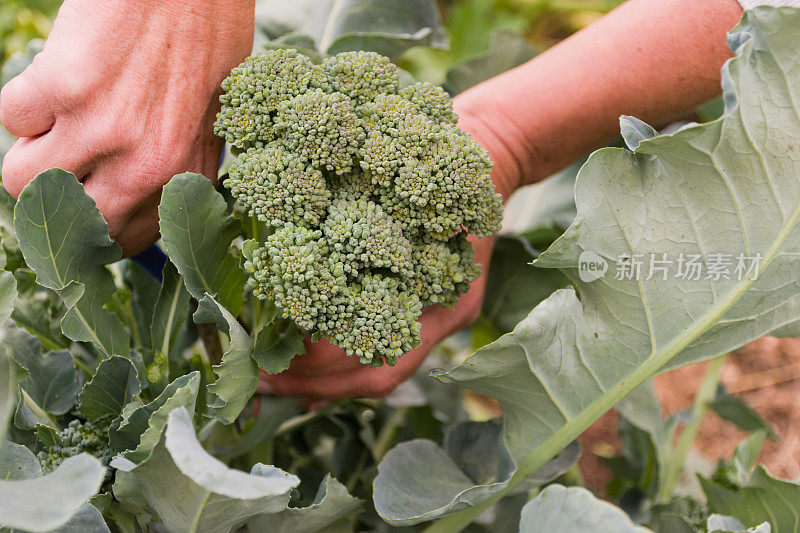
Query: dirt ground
[[765, 374]]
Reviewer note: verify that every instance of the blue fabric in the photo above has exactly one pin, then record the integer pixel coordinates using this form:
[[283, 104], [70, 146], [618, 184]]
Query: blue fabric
[[152, 260]]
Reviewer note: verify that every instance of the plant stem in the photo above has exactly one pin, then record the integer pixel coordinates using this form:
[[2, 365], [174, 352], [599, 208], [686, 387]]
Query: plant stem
[[31, 404], [388, 433], [706, 393]]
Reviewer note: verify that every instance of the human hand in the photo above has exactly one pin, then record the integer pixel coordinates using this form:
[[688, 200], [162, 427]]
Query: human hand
[[124, 95], [324, 372]]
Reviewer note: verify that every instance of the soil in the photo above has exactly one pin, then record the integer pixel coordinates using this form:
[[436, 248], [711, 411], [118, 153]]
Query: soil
[[764, 373]]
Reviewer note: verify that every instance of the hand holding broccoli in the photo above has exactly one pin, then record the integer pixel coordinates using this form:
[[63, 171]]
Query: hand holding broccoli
[[124, 95]]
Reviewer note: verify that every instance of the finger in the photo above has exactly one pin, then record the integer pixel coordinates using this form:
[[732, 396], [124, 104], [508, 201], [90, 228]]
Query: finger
[[360, 382], [30, 156], [322, 358], [26, 106]]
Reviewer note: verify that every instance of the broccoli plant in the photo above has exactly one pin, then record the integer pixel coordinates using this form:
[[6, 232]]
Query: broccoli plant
[[127, 399], [368, 191]]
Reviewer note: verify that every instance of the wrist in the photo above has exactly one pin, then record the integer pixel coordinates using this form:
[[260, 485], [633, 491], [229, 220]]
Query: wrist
[[489, 129]]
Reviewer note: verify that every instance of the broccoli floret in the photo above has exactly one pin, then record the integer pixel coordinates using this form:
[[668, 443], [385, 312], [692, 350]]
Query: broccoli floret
[[320, 128], [369, 192], [360, 75], [275, 187], [77, 438]]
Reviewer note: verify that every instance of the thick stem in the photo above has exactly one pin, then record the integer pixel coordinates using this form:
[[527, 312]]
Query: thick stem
[[388, 432], [706, 393], [210, 336]]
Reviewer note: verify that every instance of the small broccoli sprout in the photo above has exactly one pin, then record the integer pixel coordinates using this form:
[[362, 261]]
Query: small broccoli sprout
[[369, 191], [79, 437]]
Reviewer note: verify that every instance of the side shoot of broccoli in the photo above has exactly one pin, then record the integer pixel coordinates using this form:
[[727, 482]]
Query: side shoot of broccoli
[[369, 191]]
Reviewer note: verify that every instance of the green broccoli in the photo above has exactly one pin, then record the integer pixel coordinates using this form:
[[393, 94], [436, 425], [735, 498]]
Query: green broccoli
[[77, 438], [368, 191]]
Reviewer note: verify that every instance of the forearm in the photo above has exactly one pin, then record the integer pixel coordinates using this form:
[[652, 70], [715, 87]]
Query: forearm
[[652, 59]]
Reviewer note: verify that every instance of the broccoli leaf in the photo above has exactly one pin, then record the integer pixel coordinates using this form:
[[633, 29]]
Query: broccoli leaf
[[169, 312], [727, 187], [736, 411], [762, 499], [237, 376], [50, 387], [65, 240], [473, 465], [46, 503], [113, 385], [137, 433], [197, 233], [18, 462], [276, 344], [513, 286], [186, 486], [332, 511], [382, 26], [574, 510], [8, 293], [88, 519]]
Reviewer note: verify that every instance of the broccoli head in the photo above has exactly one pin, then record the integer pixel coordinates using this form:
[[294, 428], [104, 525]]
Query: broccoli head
[[368, 190]]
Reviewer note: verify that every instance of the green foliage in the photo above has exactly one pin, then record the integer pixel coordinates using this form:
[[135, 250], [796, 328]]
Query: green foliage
[[171, 397], [70, 258], [365, 189]]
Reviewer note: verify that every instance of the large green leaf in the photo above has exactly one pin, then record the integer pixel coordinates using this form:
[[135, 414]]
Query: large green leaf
[[113, 385], [727, 187], [65, 240], [762, 499], [419, 480], [192, 491], [333, 510], [197, 233], [46, 503], [136, 433], [237, 376], [574, 510], [50, 387], [383, 26]]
